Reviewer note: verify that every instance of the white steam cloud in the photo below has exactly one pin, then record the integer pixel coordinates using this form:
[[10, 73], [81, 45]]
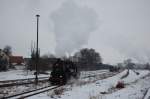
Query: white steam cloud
[[72, 26]]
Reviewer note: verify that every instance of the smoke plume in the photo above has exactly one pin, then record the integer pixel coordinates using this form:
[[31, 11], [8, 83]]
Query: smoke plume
[[72, 26]]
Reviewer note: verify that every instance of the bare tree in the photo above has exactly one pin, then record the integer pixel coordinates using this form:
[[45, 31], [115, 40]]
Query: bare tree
[[129, 64], [88, 57], [8, 50], [43, 61], [4, 61]]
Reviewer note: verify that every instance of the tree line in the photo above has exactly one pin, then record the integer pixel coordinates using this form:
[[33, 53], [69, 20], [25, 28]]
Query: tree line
[[85, 58], [5, 53]]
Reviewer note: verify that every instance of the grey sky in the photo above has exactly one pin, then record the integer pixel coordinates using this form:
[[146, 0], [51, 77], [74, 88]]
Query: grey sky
[[122, 32]]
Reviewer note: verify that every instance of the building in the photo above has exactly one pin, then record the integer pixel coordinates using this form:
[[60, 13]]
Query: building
[[16, 60]]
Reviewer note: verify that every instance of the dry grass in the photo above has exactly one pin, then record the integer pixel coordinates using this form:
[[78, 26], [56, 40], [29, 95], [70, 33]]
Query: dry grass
[[56, 93], [99, 96]]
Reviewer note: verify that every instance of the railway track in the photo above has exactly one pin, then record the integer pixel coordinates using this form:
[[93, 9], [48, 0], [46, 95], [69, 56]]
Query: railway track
[[93, 79], [102, 75], [93, 75], [106, 75], [20, 79], [144, 96], [8, 83], [47, 88], [31, 93]]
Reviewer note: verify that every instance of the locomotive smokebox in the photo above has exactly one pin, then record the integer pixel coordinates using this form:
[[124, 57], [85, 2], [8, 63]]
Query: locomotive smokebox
[[62, 71]]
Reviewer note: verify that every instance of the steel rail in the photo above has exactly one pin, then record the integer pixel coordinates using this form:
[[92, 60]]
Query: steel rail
[[22, 97], [25, 92], [20, 79], [21, 83]]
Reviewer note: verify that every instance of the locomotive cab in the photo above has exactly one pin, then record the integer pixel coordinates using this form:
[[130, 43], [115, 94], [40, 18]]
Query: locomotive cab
[[62, 72], [57, 75]]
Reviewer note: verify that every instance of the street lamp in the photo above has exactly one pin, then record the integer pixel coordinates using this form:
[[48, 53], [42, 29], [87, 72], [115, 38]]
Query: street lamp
[[37, 52]]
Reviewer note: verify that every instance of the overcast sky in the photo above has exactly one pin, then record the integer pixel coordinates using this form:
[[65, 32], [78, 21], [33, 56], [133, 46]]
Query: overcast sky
[[118, 29]]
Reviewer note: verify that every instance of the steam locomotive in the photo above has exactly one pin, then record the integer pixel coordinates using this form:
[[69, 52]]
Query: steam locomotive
[[62, 71]]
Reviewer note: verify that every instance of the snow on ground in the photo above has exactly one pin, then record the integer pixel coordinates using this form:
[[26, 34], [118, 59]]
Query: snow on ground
[[95, 90], [90, 73], [83, 92], [135, 90], [135, 87], [133, 76], [147, 94], [18, 74]]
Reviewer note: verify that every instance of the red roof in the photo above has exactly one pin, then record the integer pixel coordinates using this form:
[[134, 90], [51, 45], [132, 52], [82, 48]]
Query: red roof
[[16, 59]]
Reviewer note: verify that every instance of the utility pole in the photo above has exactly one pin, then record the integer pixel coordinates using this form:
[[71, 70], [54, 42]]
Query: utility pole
[[37, 52]]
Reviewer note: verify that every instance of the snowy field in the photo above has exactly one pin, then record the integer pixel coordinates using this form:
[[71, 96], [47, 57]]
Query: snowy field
[[135, 88], [20, 73], [92, 73], [136, 85]]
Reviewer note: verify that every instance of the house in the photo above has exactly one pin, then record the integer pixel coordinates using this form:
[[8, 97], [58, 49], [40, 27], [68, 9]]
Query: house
[[16, 60]]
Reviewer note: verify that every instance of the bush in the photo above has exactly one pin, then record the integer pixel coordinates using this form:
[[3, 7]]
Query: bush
[[120, 85]]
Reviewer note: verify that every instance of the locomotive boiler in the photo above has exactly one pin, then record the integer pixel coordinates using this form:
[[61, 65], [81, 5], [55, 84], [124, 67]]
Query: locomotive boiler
[[62, 71]]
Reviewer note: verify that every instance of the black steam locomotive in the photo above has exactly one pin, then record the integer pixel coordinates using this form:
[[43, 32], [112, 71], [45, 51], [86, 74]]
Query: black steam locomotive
[[62, 71]]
